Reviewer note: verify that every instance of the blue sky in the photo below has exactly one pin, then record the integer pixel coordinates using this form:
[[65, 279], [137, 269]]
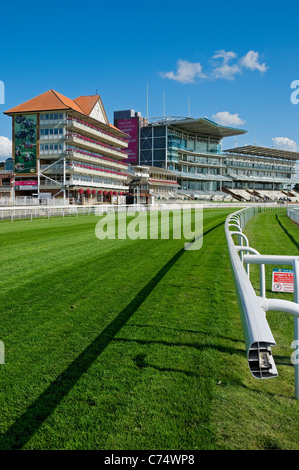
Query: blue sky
[[233, 58]]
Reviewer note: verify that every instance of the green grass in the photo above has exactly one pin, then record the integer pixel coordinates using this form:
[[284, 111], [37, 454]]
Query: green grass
[[134, 344]]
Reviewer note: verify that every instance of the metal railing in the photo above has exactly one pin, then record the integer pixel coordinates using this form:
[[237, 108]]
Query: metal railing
[[293, 213], [33, 208], [48, 211], [257, 333]]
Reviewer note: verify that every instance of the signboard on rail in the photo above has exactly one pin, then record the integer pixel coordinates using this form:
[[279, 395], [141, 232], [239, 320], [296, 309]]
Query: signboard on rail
[[282, 280]]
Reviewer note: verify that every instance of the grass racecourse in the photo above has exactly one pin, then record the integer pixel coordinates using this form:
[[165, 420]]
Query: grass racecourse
[[136, 344]]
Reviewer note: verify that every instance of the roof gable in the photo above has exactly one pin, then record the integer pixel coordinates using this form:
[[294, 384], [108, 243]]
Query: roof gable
[[48, 101], [87, 103], [89, 106], [93, 107]]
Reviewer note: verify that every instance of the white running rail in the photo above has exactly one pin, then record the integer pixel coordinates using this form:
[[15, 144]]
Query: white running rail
[[293, 213], [253, 307]]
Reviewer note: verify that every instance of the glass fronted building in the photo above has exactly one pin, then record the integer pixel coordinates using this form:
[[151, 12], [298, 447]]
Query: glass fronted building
[[189, 147], [192, 148], [260, 168]]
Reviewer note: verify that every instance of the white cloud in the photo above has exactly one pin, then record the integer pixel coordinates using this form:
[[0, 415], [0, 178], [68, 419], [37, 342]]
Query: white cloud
[[285, 143], [227, 119], [251, 61], [225, 55], [225, 70], [225, 65], [186, 72], [228, 69], [5, 148]]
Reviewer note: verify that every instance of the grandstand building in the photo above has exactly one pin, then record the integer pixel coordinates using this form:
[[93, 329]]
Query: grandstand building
[[192, 148], [67, 148], [261, 173]]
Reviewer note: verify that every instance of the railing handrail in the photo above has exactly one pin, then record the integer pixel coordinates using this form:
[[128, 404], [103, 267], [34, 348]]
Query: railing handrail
[[258, 336], [253, 308]]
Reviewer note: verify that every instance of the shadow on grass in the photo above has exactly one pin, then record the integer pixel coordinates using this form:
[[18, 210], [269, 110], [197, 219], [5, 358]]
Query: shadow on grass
[[172, 329], [31, 420], [199, 347], [287, 233], [261, 392], [141, 364]]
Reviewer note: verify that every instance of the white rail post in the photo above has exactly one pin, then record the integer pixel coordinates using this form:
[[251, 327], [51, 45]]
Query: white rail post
[[296, 324]]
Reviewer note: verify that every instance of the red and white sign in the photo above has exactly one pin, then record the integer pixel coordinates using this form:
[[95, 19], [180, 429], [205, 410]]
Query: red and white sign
[[282, 280], [26, 183]]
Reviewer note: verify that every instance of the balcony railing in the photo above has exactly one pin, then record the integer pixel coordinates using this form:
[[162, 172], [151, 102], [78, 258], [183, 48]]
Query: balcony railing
[[70, 182], [260, 168], [274, 179], [89, 129], [162, 182], [85, 142], [85, 169], [217, 164], [179, 148], [97, 171], [93, 158]]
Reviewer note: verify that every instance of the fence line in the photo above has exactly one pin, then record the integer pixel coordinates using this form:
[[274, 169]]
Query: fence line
[[253, 308], [47, 211], [293, 213]]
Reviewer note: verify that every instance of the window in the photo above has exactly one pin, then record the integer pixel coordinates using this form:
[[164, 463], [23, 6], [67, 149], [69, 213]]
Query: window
[[159, 143], [146, 144], [159, 155], [146, 132], [146, 156], [51, 131], [159, 131]]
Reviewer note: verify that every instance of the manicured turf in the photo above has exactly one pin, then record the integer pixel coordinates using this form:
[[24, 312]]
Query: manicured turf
[[134, 344]]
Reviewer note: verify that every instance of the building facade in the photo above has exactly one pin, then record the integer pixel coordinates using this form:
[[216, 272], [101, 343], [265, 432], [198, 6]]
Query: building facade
[[260, 168], [6, 180], [193, 149], [152, 182], [67, 148], [189, 147]]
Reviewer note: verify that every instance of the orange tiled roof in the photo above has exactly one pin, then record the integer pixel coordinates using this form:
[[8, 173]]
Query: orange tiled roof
[[53, 101], [113, 127], [87, 103], [49, 101]]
